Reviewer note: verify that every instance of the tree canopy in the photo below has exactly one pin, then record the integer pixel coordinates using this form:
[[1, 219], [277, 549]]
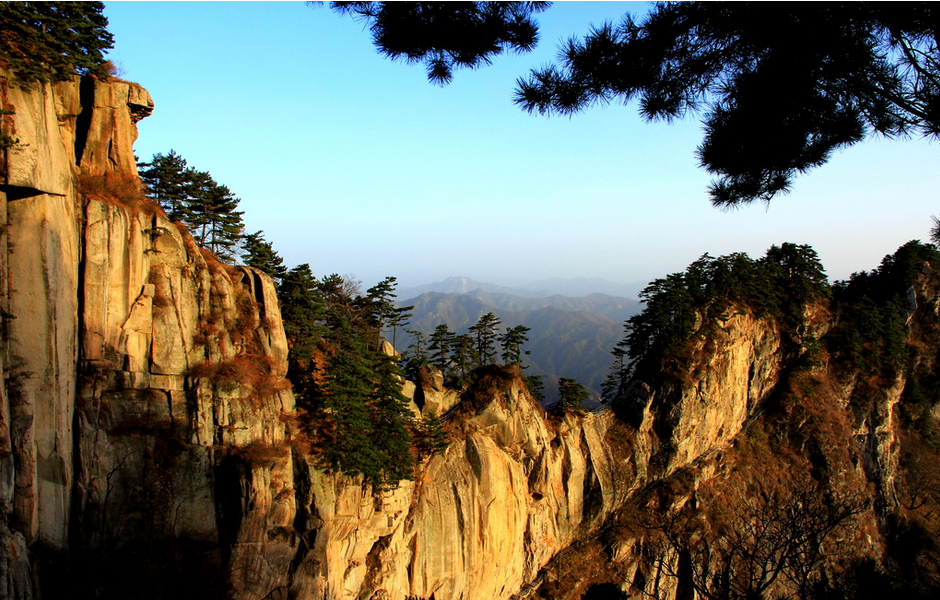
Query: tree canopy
[[447, 35], [779, 86], [52, 41], [780, 286], [193, 197]]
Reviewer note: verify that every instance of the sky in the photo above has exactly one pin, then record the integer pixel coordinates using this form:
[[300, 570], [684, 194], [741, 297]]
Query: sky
[[359, 166]]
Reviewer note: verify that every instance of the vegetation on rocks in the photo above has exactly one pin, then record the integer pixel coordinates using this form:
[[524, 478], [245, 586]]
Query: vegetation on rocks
[[780, 286], [53, 41], [194, 198]]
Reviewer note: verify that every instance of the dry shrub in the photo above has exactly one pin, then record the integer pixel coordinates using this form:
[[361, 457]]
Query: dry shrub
[[205, 330], [113, 71], [160, 300], [295, 428], [117, 188], [250, 372], [489, 383], [301, 443], [261, 454], [270, 324], [244, 329], [212, 261]]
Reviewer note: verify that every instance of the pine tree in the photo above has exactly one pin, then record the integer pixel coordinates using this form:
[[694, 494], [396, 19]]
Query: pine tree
[[416, 356], [217, 225], [464, 355], [390, 415], [433, 438], [511, 342], [340, 297], [399, 318], [169, 182], [302, 310], [345, 422], [439, 345], [535, 386], [52, 41], [484, 332], [571, 396], [380, 303], [261, 255], [618, 374], [194, 198]]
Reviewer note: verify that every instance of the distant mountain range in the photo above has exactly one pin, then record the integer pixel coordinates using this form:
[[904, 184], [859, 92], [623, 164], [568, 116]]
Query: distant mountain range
[[569, 337], [575, 287]]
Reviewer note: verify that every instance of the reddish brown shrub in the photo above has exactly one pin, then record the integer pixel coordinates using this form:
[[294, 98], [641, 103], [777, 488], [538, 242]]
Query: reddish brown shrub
[[117, 188], [262, 454], [250, 372]]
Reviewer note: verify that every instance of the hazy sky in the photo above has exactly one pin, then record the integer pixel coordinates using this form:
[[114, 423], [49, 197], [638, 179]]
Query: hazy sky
[[357, 165]]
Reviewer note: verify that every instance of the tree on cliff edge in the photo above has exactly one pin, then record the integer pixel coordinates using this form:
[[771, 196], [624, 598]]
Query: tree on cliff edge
[[780, 85], [193, 197], [52, 41], [260, 254]]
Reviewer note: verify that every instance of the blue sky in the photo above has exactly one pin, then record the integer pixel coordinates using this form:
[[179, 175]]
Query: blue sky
[[357, 165]]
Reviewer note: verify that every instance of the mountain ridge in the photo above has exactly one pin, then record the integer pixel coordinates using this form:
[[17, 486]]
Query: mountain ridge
[[565, 286]]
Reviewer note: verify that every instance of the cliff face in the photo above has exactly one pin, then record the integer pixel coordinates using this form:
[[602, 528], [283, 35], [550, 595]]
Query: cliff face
[[147, 444], [133, 366]]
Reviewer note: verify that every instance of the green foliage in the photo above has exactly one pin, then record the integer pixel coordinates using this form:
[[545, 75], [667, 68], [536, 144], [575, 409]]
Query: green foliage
[[779, 285], [215, 223], [535, 386], [571, 396], [169, 182], [380, 303], [53, 41], [261, 255], [303, 311], [416, 356], [619, 372], [192, 197], [458, 356], [439, 345], [485, 334], [465, 357], [844, 70], [390, 416], [6, 141], [343, 423], [446, 35], [873, 329], [432, 438], [350, 390], [511, 342]]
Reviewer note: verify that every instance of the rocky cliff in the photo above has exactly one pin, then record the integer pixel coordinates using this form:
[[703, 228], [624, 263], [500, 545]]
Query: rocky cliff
[[148, 439]]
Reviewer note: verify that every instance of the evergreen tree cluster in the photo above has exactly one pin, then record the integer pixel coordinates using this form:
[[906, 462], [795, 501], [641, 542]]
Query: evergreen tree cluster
[[53, 41], [780, 285], [350, 389], [874, 310], [208, 209], [458, 355]]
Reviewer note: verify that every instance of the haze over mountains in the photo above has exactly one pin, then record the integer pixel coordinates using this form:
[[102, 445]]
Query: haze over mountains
[[571, 335], [578, 286]]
